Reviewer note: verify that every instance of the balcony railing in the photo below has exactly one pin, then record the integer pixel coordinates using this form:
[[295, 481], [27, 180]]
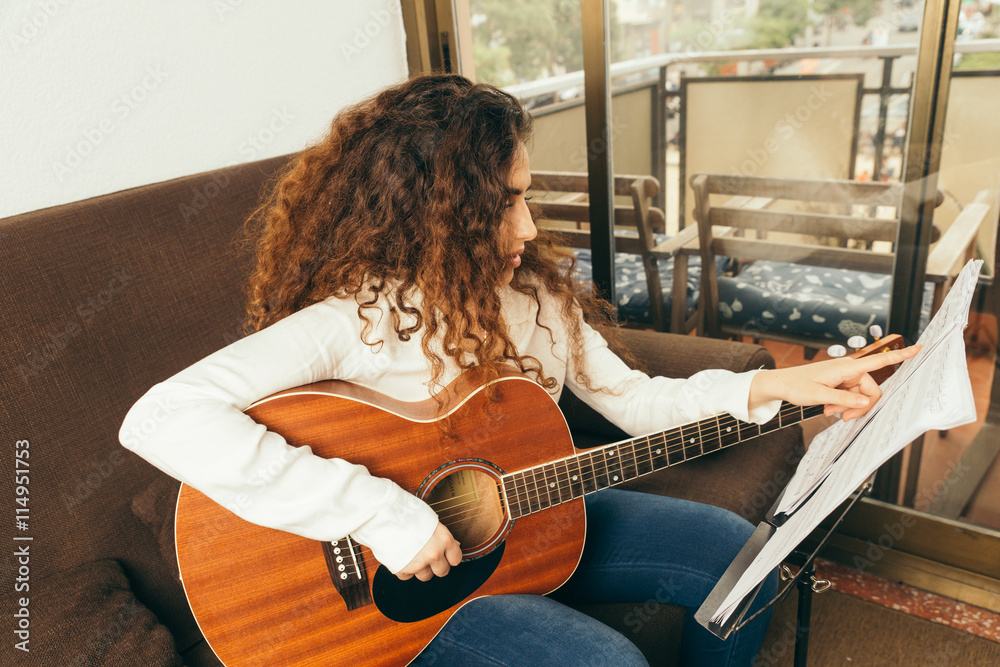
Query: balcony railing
[[555, 93]]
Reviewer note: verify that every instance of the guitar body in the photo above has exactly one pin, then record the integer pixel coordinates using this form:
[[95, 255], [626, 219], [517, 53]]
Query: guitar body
[[267, 597]]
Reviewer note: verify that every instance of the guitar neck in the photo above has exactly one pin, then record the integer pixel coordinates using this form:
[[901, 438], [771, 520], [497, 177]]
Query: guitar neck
[[535, 489]]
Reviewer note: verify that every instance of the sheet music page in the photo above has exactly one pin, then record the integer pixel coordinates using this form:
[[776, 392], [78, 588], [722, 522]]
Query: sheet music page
[[929, 391], [831, 443]]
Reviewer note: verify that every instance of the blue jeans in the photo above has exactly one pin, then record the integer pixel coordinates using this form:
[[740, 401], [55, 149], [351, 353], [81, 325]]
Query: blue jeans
[[640, 548]]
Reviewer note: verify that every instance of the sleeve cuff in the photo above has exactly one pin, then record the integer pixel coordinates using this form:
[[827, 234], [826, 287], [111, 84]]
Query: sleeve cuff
[[762, 413], [740, 407], [399, 528]]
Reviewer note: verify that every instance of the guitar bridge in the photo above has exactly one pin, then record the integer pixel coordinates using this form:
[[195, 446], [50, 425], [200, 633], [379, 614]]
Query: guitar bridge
[[346, 565]]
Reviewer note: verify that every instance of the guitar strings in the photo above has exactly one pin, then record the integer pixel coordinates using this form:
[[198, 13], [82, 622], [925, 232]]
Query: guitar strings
[[672, 442], [628, 470]]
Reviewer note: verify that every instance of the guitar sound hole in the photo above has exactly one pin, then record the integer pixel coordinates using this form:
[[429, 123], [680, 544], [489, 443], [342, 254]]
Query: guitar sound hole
[[467, 502]]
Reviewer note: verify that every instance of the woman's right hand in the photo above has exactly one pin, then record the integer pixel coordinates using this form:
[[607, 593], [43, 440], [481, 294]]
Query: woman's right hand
[[435, 558]]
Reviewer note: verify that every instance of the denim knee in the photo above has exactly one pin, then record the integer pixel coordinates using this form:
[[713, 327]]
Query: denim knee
[[527, 630]]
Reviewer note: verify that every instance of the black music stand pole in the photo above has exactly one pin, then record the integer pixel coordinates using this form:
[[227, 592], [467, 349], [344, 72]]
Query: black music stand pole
[[803, 612], [806, 584]]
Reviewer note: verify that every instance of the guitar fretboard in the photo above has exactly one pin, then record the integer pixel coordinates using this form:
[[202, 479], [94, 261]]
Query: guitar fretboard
[[535, 489]]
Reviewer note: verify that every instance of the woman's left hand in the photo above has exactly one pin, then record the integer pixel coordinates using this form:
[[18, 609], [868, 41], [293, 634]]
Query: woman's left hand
[[842, 386]]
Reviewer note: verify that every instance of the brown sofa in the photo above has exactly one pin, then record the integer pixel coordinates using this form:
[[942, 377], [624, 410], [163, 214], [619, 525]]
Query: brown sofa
[[105, 297]]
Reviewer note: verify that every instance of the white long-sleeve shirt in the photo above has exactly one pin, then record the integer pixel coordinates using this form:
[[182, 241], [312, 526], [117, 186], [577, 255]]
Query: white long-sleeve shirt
[[192, 426]]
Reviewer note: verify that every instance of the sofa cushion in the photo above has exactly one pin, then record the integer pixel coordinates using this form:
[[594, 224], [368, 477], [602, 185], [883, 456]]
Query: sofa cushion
[[87, 616]]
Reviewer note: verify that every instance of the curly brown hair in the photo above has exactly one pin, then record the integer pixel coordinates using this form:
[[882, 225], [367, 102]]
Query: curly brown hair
[[405, 197]]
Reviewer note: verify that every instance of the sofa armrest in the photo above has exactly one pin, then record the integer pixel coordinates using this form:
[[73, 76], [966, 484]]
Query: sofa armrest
[[676, 356]]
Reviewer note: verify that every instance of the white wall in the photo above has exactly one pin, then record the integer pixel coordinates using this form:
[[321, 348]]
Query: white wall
[[99, 96]]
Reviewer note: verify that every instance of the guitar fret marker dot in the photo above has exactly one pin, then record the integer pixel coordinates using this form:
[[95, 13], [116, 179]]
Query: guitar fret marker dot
[[574, 478], [552, 485], [659, 451], [615, 478], [728, 429], [691, 441]]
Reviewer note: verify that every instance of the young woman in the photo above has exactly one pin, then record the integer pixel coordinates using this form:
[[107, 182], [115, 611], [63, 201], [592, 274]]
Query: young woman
[[395, 254]]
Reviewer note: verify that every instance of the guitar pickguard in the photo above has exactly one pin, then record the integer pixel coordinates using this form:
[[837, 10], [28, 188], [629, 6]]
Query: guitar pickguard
[[414, 600]]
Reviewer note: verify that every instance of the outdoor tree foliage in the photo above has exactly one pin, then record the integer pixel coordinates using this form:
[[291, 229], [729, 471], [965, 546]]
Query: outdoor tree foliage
[[839, 12], [778, 23], [858, 12], [523, 40]]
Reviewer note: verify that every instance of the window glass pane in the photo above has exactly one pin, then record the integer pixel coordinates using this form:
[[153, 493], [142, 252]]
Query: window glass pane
[[959, 479]]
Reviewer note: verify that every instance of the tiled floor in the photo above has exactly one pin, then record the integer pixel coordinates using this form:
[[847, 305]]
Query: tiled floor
[[929, 606]]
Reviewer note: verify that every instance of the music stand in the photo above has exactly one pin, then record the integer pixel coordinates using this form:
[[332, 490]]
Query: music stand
[[804, 579]]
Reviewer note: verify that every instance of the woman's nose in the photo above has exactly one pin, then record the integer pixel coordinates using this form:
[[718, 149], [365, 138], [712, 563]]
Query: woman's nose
[[526, 226]]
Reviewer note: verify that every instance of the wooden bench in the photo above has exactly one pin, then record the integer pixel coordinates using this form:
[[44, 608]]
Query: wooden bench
[[564, 208], [833, 223]]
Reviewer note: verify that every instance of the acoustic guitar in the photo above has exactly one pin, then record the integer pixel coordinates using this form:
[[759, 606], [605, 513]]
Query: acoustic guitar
[[502, 475]]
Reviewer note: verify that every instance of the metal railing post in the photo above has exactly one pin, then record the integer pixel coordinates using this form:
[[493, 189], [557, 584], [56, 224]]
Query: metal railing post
[[884, 93]]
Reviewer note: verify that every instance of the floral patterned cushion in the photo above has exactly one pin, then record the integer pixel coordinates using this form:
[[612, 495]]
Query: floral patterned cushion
[[630, 282], [818, 302]]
